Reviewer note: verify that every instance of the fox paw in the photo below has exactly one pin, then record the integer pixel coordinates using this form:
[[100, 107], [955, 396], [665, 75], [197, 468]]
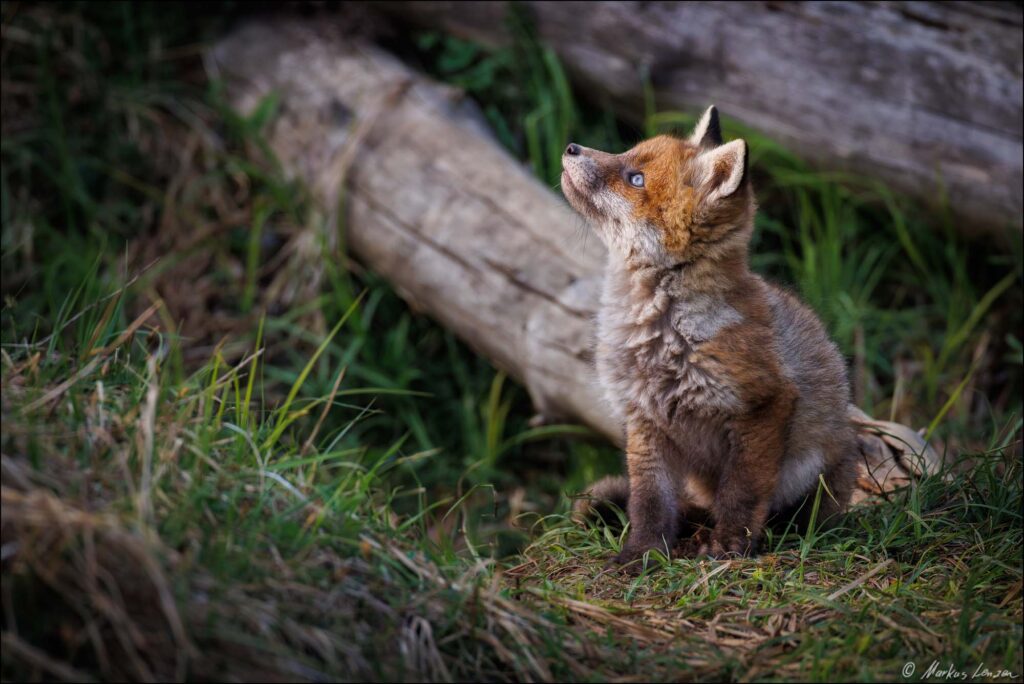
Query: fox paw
[[706, 543], [691, 546]]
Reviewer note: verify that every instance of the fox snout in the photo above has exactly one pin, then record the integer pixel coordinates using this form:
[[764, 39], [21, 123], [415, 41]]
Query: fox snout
[[586, 167], [577, 162], [581, 177]]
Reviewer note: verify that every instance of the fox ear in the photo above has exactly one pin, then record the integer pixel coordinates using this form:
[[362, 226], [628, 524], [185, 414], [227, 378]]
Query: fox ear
[[725, 169], [708, 132]]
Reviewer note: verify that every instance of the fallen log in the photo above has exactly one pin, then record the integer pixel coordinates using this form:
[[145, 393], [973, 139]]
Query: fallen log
[[460, 228], [920, 95]]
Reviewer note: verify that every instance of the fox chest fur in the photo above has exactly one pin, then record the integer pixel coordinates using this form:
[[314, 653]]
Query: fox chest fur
[[650, 335]]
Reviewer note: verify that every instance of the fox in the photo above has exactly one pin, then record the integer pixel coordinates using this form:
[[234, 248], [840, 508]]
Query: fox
[[731, 395]]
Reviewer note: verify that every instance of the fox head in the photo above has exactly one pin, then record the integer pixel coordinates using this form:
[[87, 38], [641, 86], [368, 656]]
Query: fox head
[[667, 201]]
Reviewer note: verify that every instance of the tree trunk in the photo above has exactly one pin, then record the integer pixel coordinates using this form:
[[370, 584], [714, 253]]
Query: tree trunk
[[460, 228], [925, 96]]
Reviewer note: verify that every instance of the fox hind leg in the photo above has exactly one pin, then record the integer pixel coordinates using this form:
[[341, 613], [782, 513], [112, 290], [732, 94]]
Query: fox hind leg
[[601, 499]]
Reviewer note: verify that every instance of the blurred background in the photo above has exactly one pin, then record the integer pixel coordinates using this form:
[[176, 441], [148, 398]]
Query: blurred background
[[197, 371]]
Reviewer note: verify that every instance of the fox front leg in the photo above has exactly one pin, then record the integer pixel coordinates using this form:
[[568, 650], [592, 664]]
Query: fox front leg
[[746, 488], [653, 514]]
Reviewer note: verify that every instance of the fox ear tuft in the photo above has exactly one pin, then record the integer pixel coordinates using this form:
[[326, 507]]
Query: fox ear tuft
[[725, 169], [708, 132]]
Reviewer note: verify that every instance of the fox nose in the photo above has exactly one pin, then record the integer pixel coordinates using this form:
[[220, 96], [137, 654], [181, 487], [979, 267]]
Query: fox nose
[[573, 149]]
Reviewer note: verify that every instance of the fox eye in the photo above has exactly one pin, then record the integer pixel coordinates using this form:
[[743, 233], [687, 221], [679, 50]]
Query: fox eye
[[636, 180]]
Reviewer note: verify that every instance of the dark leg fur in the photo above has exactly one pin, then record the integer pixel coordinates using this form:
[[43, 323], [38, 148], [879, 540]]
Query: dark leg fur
[[745, 490], [653, 510]]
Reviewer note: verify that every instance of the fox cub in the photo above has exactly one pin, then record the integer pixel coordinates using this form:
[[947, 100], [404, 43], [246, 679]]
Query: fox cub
[[732, 396]]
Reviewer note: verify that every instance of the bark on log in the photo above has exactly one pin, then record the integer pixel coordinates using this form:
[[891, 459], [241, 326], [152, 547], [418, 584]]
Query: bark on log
[[910, 93], [458, 226]]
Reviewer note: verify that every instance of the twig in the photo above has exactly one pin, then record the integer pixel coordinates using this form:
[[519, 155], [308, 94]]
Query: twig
[[860, 580]]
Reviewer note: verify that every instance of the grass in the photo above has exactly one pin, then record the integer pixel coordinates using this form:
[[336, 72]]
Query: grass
[[230, 452]]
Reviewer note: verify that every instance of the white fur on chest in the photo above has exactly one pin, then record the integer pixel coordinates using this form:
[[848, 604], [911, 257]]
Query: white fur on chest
[[647, 330]]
